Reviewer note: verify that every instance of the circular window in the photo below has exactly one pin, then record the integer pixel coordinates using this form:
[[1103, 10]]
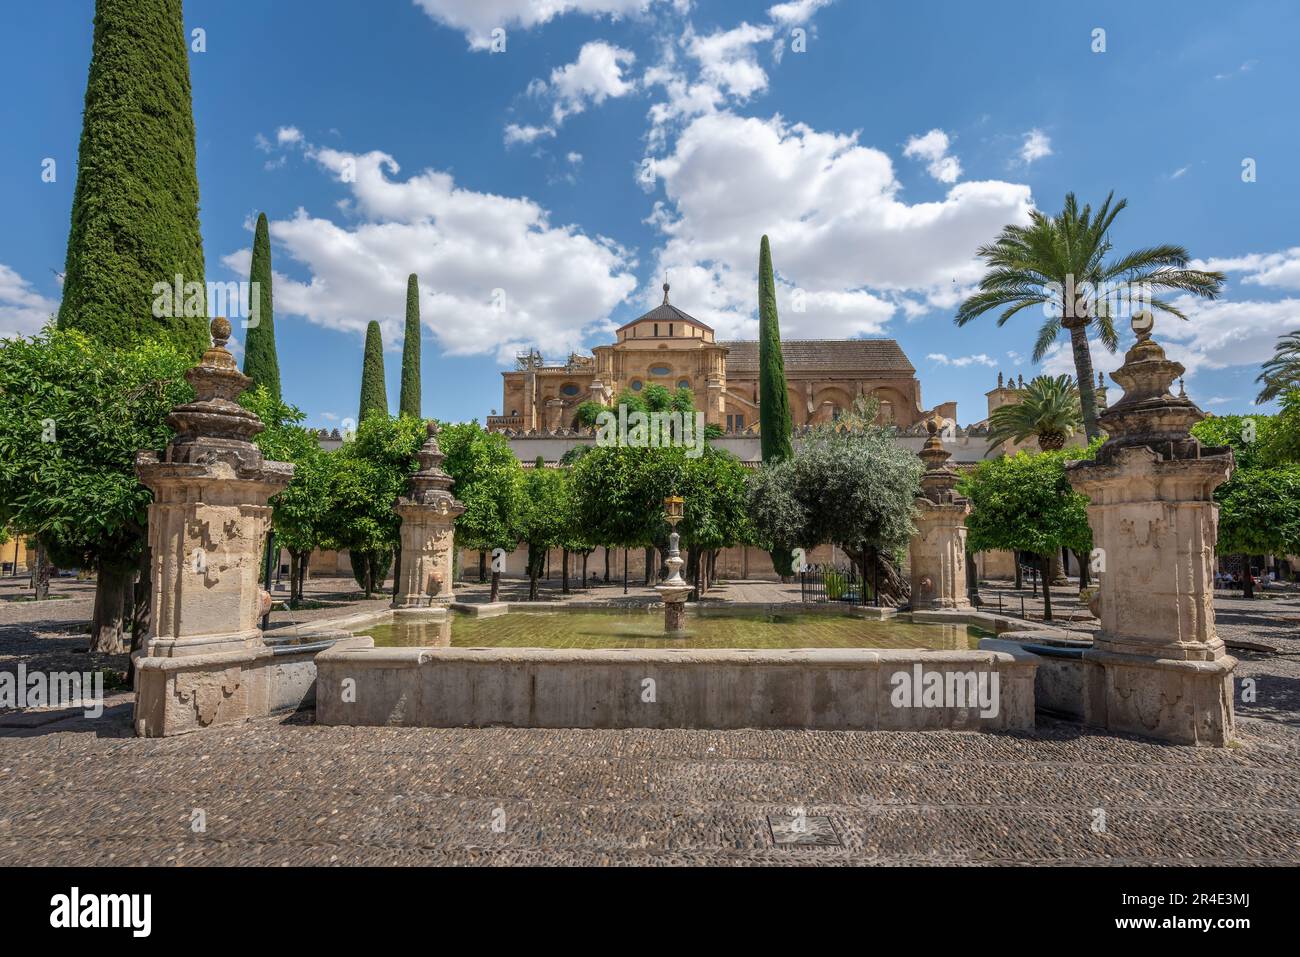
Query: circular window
[[660, 370], [569, 389], [684, 384], [636, 385]]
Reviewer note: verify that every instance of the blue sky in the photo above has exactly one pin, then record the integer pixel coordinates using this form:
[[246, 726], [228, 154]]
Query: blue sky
[[542, 190]]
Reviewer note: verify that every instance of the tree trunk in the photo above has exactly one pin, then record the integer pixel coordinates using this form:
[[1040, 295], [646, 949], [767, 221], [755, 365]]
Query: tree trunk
[[1247, 583], [606, 564], [625, 571], [482, 566], [113, 580], [496, 586], [1085, 572], [397, 572], [585, 556], [972, 580], [303, 562], [141, 617], [41, 574], [1045, 562], [564, 584], [1020, 577], [1086, 380], [649, 558]]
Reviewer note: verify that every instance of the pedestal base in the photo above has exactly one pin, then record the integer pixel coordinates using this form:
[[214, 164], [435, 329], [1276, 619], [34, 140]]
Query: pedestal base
[[1181, 702], [187, 692], [674, 597]]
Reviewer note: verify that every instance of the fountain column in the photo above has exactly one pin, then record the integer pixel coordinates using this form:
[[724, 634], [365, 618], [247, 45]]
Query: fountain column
[[202, 662], [1157, 666], [428, 516], [675, 588], [938, 550]]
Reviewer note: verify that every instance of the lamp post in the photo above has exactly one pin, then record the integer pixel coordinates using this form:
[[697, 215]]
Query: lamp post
[[674, 590]]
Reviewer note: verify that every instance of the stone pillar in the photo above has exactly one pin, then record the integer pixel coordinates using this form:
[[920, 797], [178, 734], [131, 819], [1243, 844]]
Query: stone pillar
[[204, 661], [938, 550], [428, 516], [1158, 667], [674, 590]]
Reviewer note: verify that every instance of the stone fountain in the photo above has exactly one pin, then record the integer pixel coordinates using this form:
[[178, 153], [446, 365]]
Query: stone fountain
[[203, 661], [428, 513], [675, 588], [1157, 666], [938, 550]]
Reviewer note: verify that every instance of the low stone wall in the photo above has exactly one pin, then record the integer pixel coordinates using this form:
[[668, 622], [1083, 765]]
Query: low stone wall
[[826, 689]]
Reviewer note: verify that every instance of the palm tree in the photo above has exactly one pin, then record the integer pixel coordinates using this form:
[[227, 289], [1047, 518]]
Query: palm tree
[[1060, 262], [1282, 372], [1048, 410]]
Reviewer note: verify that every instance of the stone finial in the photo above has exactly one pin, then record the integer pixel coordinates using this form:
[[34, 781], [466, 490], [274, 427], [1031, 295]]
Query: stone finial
[[999, 380], [1020, 381], [1147, 414], [1182, 389], [430, 485], [665, 290], [938, 480], [1101, 380]]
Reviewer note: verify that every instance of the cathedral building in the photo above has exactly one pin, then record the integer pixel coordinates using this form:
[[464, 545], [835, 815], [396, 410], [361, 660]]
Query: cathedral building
[[671, 348]]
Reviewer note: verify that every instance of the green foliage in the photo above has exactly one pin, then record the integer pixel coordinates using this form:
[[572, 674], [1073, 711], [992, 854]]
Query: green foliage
[[588, 412], [1255, 440], [1284, 447], [847, 488], [73, 414], [1063, 262], [301, 512], [773, 399], [261, 363], [409, 403], [369, 473], [135, 211], [836, 584], [657, 398], [1024, 502], [1047, 409], [1281, 373], [489, 482], [633, 401], [1259, 512], [544, 516], [374, 391]]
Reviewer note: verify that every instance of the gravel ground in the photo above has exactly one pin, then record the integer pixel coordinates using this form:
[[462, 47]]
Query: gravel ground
[[281, 790]]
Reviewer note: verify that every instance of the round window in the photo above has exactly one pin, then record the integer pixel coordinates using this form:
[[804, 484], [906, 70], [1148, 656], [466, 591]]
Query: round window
[[636, 385], [660, 370], [570, 389], [684, 384]]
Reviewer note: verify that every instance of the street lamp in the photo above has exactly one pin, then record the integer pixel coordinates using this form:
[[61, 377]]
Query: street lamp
[[674, 509]]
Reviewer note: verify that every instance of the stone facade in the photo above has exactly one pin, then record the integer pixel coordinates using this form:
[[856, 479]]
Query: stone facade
[[1158, 666], [203, 661], [668, 347]]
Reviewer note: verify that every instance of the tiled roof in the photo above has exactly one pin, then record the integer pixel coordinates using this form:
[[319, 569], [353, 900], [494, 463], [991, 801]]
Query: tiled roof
[[666, 312], [808, 355]]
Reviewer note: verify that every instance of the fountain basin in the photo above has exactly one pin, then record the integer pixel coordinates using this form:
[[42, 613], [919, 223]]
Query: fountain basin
[[826, 688]]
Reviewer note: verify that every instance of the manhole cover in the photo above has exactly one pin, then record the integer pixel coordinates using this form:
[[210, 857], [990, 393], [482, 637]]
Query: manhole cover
[[790, 830]]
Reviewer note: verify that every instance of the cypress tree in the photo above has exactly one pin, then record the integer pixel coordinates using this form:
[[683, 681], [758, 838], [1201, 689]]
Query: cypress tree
[[409, 403], [773, 399], [135, 210], [260, 361], [374, 392]]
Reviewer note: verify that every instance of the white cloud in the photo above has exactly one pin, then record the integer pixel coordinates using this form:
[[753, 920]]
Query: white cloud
[[23, 311], [727, 58], [464, 245], [962, 361], [1279, 270], [1179, 173], [839, 231], [575, 159], [1036, 145], [595, 76], [526, 134], [288, 136], [795, 12], [933, 147], [478, 18]]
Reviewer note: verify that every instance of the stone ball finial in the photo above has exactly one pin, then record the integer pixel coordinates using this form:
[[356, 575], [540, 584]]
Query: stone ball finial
[[220, 329], [431, 428], [932, 424], [1142, 324], [666, 287]]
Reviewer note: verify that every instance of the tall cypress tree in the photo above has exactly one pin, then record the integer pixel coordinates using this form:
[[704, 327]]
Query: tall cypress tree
[[773, 399], [374, 392], [260, 361], [409, 403], [135, 210]]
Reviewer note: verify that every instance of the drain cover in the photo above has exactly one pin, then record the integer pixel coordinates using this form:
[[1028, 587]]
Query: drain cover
[[789, 830]]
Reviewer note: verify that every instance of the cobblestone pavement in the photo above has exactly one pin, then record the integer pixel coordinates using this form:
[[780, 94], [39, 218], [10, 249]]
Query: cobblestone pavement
[[281, 790]]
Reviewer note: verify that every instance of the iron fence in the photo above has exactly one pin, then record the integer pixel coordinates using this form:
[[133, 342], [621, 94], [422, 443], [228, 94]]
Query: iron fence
[[841, 583]]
